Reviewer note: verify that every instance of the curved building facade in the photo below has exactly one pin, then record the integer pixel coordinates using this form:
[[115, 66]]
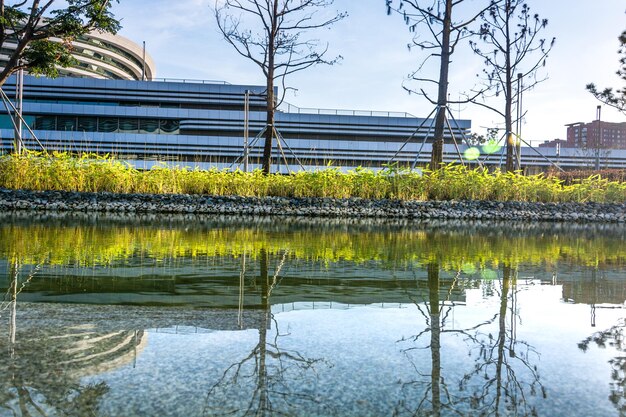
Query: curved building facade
[[103, 56]]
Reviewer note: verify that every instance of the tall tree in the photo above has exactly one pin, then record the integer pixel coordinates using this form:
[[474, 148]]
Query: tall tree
[[272, 34], [27, 29], [616, 99], [512, 50], [438, 19]]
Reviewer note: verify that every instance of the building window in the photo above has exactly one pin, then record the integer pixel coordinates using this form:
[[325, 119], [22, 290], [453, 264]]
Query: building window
[[170, 127], [105, 124], [46, 123], [87, 124], [67, 124], [129, 125], [148, 126]]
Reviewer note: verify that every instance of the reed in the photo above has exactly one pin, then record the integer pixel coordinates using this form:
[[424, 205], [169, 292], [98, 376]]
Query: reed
[[93, 173]]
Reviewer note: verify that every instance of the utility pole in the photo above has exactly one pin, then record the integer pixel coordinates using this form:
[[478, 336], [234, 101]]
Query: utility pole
[[143, 63], [246, 122], [518, 129], [19, 95], [599, 137]]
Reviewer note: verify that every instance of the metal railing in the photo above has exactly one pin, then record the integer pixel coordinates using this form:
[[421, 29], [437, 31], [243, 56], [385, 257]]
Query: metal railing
[[290, 108], [190, 81]]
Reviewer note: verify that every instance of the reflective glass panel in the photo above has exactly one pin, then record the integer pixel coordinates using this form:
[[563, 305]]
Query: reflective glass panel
[[65, 123], [148, 126], [107, 124], [45, 123], [129, 125], [170, 127], [87, 124]]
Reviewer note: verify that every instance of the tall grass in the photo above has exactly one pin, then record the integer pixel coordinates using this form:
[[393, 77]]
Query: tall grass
[[453, 182]]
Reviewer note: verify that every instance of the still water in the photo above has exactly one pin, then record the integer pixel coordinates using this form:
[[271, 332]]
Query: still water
[[205, 316]]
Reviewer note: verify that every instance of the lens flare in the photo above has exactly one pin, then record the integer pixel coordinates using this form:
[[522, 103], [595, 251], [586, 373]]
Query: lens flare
[[471, 154], [491, 147]]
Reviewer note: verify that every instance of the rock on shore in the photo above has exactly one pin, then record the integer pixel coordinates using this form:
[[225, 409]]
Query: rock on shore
[[312, 207]]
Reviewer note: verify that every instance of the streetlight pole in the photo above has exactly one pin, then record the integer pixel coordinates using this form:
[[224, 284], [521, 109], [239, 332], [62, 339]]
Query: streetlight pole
[[518, 141], [143, 62], [19, 94], [246, 121], [599, 137]]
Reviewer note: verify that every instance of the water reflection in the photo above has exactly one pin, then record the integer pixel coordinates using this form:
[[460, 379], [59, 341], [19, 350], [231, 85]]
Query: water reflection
[[613, 337], [44, 365], [488, 386], [288, 309], [266, 376]]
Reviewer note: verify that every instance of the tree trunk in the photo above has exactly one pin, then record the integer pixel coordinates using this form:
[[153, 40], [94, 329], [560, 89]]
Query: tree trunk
[[271, 102], [508, 94], [436, 157], [269, 132]]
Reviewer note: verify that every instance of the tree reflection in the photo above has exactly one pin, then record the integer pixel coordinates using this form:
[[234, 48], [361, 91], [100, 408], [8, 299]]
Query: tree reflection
[[613, 337], [270, 377], [504, 364], [502, 375]]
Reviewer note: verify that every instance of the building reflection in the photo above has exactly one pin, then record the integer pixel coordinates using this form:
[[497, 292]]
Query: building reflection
[[45, 357]]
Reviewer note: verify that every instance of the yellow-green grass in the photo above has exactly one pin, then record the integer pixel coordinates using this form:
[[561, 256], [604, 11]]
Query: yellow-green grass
[[92, 173]]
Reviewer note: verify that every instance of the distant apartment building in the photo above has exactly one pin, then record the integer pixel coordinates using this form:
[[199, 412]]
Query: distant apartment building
[[554, 143], [597, 134]]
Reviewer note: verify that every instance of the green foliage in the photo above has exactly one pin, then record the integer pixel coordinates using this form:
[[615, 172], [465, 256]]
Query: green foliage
[[608, 96], [31, 25], [92, 173], [44, 56]]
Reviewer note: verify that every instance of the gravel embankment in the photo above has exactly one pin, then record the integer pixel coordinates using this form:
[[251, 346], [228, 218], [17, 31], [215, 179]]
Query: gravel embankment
[[312, 207]]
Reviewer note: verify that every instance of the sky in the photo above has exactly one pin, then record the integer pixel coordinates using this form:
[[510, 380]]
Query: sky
[[182, 38]]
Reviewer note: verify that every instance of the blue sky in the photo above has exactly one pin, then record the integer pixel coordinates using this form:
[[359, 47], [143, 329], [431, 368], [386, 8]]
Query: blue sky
[[182, 38]]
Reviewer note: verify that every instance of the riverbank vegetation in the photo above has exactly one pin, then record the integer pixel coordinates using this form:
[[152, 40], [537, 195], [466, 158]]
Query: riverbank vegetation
[[453, 182]]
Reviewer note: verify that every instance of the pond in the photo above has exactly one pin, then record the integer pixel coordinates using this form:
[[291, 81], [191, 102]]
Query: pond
[[112, 315]]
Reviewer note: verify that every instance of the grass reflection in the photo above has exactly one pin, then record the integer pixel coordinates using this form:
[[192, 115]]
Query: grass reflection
[[481, 248]]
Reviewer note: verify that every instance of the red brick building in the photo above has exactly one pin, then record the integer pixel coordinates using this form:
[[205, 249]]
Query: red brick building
[[597, 134]]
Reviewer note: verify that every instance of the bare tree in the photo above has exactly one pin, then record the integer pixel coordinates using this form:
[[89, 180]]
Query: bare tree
[[27, 29], [279, 46], [616, 99], [504, 376], [437, 18], [511, 45]]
